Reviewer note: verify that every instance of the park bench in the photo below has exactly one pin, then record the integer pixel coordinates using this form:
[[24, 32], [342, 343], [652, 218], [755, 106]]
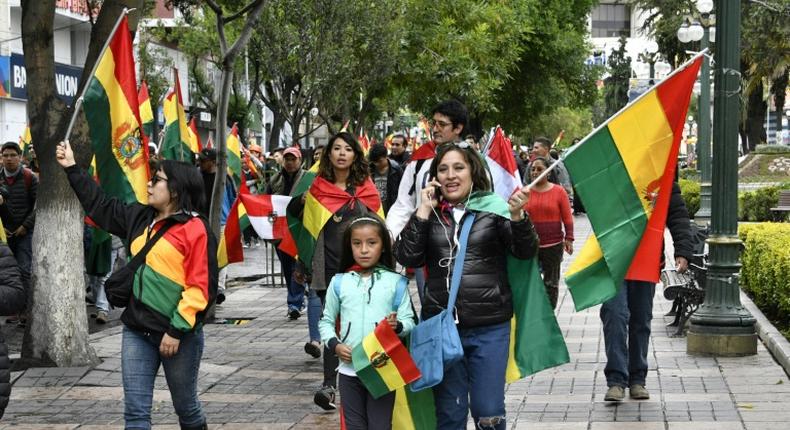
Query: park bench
[[687, 290], [783, 207]]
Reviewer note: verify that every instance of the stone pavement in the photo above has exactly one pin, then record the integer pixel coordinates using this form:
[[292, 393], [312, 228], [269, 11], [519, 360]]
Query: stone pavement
[[255, 375]]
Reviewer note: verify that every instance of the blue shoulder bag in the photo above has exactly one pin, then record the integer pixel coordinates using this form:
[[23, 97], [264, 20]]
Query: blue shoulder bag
[[435, 343]]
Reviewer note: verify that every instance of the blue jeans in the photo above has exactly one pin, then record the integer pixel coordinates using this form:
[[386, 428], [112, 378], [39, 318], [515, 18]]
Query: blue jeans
[[314, 310], [295, 290], [626, 332], [419, 279], [477, 382], [140, 362], [22, 248]]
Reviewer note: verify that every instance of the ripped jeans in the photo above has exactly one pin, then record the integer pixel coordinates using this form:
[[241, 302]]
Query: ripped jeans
[[477, 382]]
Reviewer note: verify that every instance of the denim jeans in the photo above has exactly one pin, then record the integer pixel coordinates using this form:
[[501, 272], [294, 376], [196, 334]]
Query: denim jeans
[[419, 279], [477, 382], [97, 281], [140, 362], [295, 289], [626, 332], [22, 247], [314, 310]]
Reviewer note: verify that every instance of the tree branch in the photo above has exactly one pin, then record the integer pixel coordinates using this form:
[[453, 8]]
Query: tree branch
[[241, 13]]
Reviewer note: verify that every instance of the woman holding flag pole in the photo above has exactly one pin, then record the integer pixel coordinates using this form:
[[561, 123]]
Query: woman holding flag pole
[[485, 305], [341, 191]]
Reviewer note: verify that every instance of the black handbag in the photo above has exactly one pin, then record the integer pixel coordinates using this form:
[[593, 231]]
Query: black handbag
[[118, 287]]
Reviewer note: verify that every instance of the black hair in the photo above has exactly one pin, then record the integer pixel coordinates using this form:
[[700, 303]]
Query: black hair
[[402, 136], [454, 110], [358, 172], [347, 255], [545, 160], [543, 141], [377, 151], [276, 150], [476, 164], [184, 183], [11, 145]]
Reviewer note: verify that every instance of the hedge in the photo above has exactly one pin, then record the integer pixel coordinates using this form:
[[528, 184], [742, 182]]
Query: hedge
[[765, 274], [755, 206], [772, 149], [690, 191]]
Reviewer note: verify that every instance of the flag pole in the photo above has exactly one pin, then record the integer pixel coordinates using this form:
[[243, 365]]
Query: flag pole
[[628, 105], [78, 104]]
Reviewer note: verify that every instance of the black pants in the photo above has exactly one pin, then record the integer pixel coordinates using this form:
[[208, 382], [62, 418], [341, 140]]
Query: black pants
[[360, 410], [550, 260]]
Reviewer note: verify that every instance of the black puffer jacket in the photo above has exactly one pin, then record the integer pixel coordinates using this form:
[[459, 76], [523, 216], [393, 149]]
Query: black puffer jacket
[[484, 297], [12, 301]]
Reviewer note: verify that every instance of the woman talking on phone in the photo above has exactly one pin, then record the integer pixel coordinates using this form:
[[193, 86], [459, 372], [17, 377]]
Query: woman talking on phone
[[484, 305]]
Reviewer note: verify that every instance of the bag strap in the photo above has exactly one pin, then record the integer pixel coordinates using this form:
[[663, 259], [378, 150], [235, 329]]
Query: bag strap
[[138, 258], [458, 266], [336, 285], [400, 290]]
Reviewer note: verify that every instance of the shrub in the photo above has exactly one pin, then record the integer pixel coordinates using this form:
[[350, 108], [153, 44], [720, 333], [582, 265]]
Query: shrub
[[691, 174], [772, 149], [690, 191], [765, 274], [755, 206]]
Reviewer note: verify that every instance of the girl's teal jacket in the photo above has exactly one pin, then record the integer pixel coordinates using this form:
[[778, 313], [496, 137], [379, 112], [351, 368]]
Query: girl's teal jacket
[[361, 308]]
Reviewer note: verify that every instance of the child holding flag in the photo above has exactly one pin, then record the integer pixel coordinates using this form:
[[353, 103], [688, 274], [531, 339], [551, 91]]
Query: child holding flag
[[362, 297]]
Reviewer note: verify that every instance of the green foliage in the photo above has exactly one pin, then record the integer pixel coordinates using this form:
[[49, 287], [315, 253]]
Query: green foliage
[[616, 85], [156, 69], [690, 174], [765, 274], [755, 206], [575, 122], [772, 149], [690, 192]]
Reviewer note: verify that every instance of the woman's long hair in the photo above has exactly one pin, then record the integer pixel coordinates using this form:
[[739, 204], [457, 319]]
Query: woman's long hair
[[358, 171], [184, 183], [480, 180], [347, 255]]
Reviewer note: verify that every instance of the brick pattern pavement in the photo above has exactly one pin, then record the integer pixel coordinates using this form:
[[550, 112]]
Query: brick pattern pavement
[[256, 376]]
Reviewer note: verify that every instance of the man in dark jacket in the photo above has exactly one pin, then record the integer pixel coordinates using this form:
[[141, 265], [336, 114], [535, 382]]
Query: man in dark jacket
[[386, 174], [12, 301], [626, 317], [398, 151], [22, 186]]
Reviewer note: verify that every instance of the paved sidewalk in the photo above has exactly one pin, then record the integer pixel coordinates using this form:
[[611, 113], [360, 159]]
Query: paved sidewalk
[[255, 375]]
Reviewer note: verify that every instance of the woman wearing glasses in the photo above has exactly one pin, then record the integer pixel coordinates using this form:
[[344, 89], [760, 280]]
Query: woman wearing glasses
[[171, 291], [484, 307]]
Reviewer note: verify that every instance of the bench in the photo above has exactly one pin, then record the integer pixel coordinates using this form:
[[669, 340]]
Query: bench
[[783, 207], [686, 290]]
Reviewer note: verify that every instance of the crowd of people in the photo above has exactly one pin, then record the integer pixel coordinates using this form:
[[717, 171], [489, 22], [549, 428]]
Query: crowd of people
[[399, 216]]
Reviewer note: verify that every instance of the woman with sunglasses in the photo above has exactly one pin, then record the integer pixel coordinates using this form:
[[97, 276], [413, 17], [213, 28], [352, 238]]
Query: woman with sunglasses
[[171, 291], [484, 307], [343, 185]]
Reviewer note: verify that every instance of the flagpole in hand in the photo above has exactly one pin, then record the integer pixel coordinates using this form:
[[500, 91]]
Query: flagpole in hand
[[78, 104]]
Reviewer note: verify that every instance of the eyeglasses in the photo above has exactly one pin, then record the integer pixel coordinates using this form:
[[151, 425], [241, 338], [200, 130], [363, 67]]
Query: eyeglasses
[[156, 178], [441, 124]]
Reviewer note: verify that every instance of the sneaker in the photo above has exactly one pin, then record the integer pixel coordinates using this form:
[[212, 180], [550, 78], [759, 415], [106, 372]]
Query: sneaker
[[325, 398], [102, 317], [245, 245], [638, 392], [615, 393], [294, 314], [313, 349]]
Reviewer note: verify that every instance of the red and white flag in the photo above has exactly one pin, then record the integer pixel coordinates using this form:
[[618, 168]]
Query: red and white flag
[[502, 165], [266, 213]]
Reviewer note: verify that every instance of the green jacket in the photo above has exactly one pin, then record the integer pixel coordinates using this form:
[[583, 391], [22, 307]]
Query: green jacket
[[360, 309]]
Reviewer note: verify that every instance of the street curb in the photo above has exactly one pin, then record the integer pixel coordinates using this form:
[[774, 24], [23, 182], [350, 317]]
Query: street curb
[[771, 337]]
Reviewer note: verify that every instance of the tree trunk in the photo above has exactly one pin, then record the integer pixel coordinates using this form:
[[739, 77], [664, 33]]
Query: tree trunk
[[278, 121], [778, 87], [755, 117], [221, 144]]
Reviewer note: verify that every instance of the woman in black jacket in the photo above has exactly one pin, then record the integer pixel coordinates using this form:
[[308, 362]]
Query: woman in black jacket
[[12, 301], [484, 306]]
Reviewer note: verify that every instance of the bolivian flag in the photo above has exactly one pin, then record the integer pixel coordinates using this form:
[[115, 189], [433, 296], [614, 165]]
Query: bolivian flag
[[146, 113], [194, 138], [176, 145], [323, 200], [111, 107], [234, 155], [382, 362], [623, 172]]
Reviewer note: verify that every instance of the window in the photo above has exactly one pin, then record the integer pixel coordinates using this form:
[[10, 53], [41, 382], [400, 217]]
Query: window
[[611, 20]]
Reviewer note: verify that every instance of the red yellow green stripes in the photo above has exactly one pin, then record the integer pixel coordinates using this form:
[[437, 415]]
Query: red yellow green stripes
[[632, 158], [194, 138], [111, 108], [382, 362], [414, 411], [176, 145], [146, 113], [234, 155]]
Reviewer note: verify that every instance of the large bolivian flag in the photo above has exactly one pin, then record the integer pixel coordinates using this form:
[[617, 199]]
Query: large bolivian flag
[[623, 172], [176, 144], [111, 107]]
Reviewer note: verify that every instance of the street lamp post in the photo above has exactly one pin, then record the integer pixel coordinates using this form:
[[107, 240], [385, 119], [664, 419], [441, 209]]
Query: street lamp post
[[701, 30], [722, 326]]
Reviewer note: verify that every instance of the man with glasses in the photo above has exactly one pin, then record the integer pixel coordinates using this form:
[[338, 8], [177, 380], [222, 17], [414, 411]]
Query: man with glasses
[[448, 121], [20, 186]]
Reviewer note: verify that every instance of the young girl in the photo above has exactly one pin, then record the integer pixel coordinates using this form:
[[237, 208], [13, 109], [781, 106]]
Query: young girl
[[362, 297]]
